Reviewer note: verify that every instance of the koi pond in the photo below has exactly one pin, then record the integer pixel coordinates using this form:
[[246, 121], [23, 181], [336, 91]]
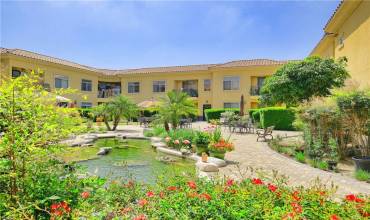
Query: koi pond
[[132, 159]]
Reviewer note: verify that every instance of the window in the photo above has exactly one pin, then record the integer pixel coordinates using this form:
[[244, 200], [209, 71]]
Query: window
[[341, 40], [16, 73], [133, 87], [61, 82], [231, 82], [260, 81], [207, 85], [86, 85], [159, 86], [231, 105], [86, 104]]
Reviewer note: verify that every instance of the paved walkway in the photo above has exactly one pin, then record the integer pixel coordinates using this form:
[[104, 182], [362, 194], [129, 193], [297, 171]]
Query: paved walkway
[[250, 153]]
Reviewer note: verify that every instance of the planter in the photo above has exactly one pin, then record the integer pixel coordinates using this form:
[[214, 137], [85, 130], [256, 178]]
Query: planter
[[202, 148], [362, 163], [332, 165], [219, 155]]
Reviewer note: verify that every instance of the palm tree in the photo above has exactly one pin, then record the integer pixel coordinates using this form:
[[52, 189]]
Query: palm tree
[[120, 107], [173, 106]]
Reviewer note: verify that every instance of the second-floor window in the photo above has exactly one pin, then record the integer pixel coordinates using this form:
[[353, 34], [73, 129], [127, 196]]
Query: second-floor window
[[61, 82], [86, 85], [231, 82], [207, 85], [133, 87], [159, 86], [16, 73]]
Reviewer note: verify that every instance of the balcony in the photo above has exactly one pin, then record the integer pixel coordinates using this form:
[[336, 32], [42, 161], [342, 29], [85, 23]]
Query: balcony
[[108, 89], [255, 90]]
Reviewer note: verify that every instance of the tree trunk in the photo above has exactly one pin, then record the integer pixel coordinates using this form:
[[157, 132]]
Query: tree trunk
[[107, 123], [115, 123], [166, 126]]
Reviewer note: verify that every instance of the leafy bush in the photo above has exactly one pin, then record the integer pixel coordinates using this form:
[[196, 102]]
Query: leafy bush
[[215, 113], [300, 157], [362, 175], [256, 116], [281, 118], [87, 113], [201, 138]]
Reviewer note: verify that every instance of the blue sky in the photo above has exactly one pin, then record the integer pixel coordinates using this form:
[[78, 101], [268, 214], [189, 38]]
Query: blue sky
[[121, 34]]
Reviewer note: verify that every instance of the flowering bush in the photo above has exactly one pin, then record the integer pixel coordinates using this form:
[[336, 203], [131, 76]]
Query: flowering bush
[[181, 138], [222, 146], [183, 197]]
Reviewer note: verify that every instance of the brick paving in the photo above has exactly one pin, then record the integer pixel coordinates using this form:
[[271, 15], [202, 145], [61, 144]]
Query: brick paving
[[250, 153]]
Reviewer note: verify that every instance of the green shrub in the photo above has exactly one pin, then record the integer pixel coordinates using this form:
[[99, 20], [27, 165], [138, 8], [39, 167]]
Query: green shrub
[[86, 113], [215, 113], [256, 116], [362, 175], [281, 118], [300, 157], [202, 138]]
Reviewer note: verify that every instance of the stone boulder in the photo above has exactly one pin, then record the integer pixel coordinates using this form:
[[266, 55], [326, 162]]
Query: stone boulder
[[159, 144], [155, 139], [206, 167], [104, 150], [218, 162]]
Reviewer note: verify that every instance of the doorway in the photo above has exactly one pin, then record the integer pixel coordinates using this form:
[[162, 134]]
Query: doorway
[[206, 106]]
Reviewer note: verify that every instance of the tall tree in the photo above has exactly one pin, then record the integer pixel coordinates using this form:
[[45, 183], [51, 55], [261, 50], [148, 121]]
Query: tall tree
[[173, 106], [299, 81]]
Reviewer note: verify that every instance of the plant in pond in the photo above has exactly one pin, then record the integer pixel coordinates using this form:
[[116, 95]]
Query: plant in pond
[[300, 157], [30, 175], [362, 175], [173, 106]]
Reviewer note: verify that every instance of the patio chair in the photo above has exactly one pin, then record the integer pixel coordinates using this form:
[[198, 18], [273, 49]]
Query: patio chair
[[267, 132]]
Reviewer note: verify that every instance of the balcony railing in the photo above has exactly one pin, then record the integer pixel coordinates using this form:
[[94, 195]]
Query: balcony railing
[[191, 92], [107, 93], [255, 90]]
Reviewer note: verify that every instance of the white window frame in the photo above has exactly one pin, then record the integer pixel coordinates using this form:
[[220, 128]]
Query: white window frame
[[63, 78], [236, 104], [133, 85], [159, 83], [234, 82]]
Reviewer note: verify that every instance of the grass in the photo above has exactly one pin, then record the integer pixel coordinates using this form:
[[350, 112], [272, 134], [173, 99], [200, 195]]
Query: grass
[[362, 175], [300, 157]]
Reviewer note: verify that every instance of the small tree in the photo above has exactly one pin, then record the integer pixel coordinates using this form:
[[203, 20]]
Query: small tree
[[173, 106], [296, 82]]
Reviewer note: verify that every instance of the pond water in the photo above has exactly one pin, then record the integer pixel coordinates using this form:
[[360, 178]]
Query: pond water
[[138, 161]]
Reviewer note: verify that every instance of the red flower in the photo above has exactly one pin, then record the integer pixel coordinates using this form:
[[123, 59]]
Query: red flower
[[142, 202], [334, 217], [85, 195], [296, 207], [54, 206], [68, 209], [172, 188], [150, 194], [350, 197], [257, 181], [140, 217], [205, 196], [295, 196], [58, 212], [63, 204], [230, 182], [364, 213], [322, 193], [192, 184], [272, 187]]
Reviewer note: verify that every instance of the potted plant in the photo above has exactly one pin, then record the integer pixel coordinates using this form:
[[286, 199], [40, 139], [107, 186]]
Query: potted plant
[[355, 107], [201, 140], [218, 149]]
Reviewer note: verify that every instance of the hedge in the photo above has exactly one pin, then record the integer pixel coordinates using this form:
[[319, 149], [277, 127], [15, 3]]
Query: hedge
[[254, 114], [280, 117], [215, 113]]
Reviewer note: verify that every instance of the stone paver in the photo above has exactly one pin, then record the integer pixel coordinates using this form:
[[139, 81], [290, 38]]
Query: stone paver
[[250, 153]]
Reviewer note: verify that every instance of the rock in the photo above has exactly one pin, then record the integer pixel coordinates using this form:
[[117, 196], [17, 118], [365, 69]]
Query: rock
[[104, 150], [206, 167], [155, 139], [185, 151], [166, 159], [169, 151], [159, 144], [218, 162]]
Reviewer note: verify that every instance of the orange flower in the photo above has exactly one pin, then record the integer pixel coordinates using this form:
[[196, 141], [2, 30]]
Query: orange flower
[[140, 217], [85, 195], [161, 195], [295, 196], [296, 207], [205, 196], [142, 202], [172, 188]]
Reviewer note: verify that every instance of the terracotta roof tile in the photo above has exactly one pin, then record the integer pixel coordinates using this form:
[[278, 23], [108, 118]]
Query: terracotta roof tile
[[173, 69]]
